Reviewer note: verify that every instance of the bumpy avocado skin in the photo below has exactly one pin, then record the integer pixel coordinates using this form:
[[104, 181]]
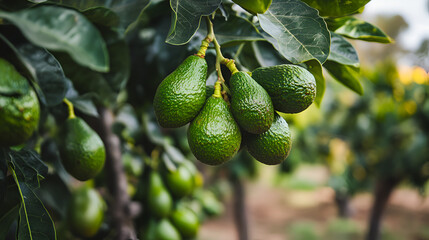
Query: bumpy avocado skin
[[292, 88], [82, 150], [273, 146], [19, 107], [214, 137], [182, 94], [250, 104]]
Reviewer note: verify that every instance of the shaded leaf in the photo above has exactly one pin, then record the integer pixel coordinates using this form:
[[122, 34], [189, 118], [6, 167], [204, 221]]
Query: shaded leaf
[[7, 219], [301, 34], [186, 18], [267, 55], [55, 194], [28, 167], [354, 28], [316, 69], [102, 16], [174, 153], [63, 29], [342, 51], [4, 158], [168, 162], [85, 104], [336, 8], [347, 75]]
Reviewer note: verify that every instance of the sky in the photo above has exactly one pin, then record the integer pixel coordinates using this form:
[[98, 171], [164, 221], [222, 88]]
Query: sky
[[415, 13]]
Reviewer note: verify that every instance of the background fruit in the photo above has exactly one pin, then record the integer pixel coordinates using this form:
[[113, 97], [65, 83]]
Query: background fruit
[[182, 94], [214, 137], [273, 146], [250, 104], [291, 88], [185, 221], [85, 212], [166, 231], [159, 199], [180, 182], [82, 151], [19, 107]]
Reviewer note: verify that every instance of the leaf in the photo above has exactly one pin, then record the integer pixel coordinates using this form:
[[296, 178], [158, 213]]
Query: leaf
[[301, 34], [186, 18], [54, 193], [28, 167], [85, 104], [336, 8], [235, 31], [174, 153], [63, 29], [168, 162], [342, 51], [4, 157], [254, 6], [7, 219], [354, 28], [102, 16], [316, 69], [267, 55], [347, 75]]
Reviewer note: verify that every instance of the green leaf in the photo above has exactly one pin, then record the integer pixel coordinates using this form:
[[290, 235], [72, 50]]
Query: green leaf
[[342, 51], [316, 69], [4, 157], [301, 34], [267, 55], [7, 219], [102, 16], [28, 167], [186, 18], [54, 193], [63, 29], [347, 75], [336, 8], [354, 28], [254, 6], [235, 31], [85, 104]]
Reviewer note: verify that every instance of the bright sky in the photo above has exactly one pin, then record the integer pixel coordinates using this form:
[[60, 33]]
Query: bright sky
[[415, 13]]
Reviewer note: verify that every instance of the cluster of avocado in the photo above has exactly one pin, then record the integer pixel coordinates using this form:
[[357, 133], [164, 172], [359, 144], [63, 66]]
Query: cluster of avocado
[[219, 128], [170, 218]]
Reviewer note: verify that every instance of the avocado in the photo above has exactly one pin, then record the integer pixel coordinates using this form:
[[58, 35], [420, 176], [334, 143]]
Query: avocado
[[273, 146], [19, 107], [159, 199], [250, 104], [182, 94], [81, 149], [214, 137], [292, 88], [166, 231]]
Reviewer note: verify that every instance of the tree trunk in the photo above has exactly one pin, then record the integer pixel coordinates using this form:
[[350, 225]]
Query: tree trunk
[[120, 205], [240, 209], [382, 192], [342, 201]]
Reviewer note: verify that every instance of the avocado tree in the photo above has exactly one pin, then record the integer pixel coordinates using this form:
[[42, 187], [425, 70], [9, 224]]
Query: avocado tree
[[95, 67]]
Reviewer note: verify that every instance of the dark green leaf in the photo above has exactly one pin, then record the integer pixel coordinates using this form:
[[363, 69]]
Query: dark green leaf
[[102, 16], [85, 104], [267, 55], [336, 8], [28, 167], [234, 31], [347, 75], [316, 69], [55, 194], [7, 219], [342, 51], [354, 28], [63, 29], [301, 34], [4, 158], [186, 18]]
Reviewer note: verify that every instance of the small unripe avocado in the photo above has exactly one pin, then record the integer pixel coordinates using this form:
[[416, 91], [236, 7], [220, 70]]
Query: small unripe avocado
[[159, 199], [182, 94], [81, 149], [291, 88], [214, 137], [185, 221], [250, 104], [273, 146], [166, 231]]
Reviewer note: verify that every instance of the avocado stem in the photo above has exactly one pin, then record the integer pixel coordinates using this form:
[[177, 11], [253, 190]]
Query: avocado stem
[[217, 93], [71, 108], [203, 48]]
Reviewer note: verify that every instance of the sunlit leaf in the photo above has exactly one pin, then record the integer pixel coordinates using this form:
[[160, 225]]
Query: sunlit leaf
[[336, 8], [347, 75], [316, 69], [342, 51]]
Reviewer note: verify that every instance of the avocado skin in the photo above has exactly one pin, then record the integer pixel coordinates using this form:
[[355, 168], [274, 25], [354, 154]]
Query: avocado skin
[[81, 149], [214, 137], [273, 146], [292, 88], [250, 104], [182, 94]]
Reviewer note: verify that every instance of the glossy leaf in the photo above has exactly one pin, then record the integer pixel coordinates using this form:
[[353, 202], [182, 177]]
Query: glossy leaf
[[347, 75], [316, 69], [342, 51], [354, 28], [336, 8], [63, 29], [267, 55], [301, 34], [234, 31], [186, 18], [85, 104], [28, 167], [254, 6]]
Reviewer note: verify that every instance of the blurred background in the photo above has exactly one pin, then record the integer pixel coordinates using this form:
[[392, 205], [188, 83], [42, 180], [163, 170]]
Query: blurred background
[[352, 157]]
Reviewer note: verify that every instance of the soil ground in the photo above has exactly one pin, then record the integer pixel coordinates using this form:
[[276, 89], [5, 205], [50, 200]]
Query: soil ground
[[279, 213]]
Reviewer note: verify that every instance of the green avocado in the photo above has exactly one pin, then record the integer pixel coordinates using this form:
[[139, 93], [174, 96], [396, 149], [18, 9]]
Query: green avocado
[[182, 94], [19, 107], [85, 212], [81, 149], [166, 231], [214, 137], [273, 146], [250, 104], [180, 182], [292, 88], [186, 222], [159, 199]]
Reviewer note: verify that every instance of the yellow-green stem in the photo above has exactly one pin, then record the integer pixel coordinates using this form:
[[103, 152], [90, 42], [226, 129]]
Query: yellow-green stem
[[217, 93], [71, 108]]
